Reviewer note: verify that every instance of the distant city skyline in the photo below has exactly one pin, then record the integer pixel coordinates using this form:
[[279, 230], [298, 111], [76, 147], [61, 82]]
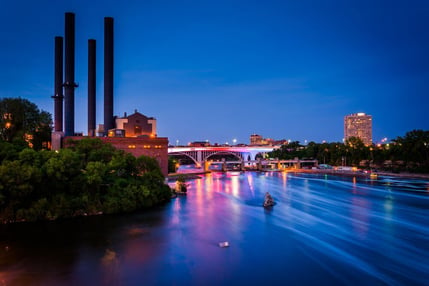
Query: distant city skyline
[[224, 70]]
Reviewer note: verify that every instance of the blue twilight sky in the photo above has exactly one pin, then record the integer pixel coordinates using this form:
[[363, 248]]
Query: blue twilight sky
[[218, 70]]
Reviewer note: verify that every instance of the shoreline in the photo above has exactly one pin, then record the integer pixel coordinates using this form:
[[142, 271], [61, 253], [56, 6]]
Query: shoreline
[[195, 175], [359, 174], [186, 175]]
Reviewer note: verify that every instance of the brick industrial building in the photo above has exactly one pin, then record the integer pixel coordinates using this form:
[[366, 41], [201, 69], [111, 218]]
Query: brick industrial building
[[135, 134]]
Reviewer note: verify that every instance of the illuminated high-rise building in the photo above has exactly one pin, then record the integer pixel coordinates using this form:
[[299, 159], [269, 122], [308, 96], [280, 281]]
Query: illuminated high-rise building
[[358, 125]]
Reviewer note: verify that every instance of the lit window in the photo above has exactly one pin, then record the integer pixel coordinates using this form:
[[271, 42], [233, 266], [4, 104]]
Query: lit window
[[137, 130]]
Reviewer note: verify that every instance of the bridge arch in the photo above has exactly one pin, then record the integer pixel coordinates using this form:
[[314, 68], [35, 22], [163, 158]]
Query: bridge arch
[[238, 155], [185, 154]]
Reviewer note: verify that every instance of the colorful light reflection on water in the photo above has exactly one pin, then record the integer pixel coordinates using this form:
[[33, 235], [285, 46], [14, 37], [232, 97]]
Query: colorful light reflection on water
[[323, 230]]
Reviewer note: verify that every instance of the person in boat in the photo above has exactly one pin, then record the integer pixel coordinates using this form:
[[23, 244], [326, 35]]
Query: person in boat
[[268, 201]]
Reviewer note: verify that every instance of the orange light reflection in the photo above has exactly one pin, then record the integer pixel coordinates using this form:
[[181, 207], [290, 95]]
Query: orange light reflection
[[284, 179]]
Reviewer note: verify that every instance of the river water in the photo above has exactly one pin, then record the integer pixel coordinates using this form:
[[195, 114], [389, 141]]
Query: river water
[[323, 230]]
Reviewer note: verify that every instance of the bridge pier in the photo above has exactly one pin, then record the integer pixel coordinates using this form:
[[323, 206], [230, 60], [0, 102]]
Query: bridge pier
[[224, 167], [278, 165], [199, 157], [206, 165], [298, 163], [259, 164]]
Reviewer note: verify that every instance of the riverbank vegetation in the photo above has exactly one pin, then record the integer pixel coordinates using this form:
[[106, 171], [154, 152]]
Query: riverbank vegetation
[[24, 124], [88, 177], [409, 153]]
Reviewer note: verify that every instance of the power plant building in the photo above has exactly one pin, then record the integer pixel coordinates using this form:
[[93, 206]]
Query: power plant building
[[358, 125], [136, 125], [135, 134]]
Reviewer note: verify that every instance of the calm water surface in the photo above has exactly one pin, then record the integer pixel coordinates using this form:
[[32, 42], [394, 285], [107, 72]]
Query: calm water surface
[[323, 231]]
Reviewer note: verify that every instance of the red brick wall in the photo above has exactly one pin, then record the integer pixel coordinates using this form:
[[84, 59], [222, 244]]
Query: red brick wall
[[140, 120], [153, 147]]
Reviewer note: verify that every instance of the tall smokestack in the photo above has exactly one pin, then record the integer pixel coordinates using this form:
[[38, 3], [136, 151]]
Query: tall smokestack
[[108, 75], [91, 86], [58, 85], [69, 84]]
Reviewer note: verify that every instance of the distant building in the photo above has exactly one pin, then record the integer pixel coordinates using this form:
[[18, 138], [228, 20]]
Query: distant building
[[134, 125], [256, 139], [358, 125], [199, 144], [280, 142]]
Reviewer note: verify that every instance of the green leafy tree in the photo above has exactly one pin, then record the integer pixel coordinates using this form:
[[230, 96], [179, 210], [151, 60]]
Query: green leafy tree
[[17, 184], [311, 150], [323, 153], [64, 172], [10, 151], [123, 165], [92, 149], [356, 151], [289, 151], [86, 178], [21, 119], [172, 164], [148, 164], [413, 148], [95, 173]]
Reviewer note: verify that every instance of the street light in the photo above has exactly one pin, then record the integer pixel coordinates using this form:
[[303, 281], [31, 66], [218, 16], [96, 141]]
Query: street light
[[234, 141]]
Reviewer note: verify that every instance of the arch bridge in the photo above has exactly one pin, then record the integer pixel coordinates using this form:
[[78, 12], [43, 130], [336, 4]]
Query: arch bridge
[[200, 155], [246, 156]]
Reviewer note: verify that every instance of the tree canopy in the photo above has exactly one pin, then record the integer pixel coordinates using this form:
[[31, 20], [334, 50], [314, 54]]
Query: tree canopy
[[22, 121], [89, 177], [407, 153]]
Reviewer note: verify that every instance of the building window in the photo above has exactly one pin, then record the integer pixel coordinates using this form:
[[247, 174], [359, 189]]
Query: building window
[[137, 130]]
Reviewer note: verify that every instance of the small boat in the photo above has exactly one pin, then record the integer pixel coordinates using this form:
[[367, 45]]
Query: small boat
[[373, 175], [224, 244], [181, 187], [268, 200]]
